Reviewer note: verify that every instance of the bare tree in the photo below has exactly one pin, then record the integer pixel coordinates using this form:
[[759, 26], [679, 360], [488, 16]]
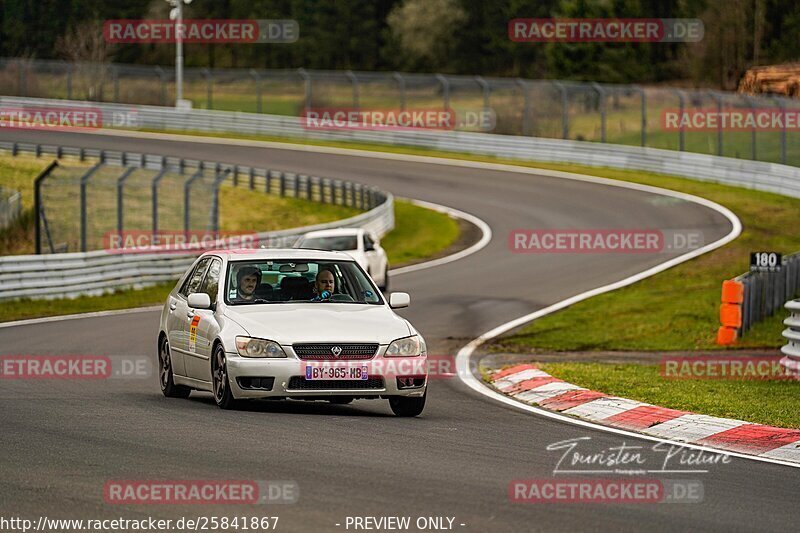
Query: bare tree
[[426, 29], [85, 46]]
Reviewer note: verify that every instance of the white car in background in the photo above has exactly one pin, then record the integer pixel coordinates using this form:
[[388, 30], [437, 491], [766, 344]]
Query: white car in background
[[256, 324], [361, 244]]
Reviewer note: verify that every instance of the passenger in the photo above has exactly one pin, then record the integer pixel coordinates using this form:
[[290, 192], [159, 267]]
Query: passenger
[[323, 285], [248, 278]]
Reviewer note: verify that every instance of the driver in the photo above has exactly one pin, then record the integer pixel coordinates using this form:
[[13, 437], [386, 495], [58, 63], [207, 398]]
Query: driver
[[247, 279], [323, 285]]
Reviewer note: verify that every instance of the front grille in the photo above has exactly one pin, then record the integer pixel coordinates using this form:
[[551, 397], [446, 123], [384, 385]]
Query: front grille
[[301, 383], [323, 351]]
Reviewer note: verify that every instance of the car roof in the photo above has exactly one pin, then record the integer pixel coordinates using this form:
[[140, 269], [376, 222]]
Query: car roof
[[338, 232], [258, 254]]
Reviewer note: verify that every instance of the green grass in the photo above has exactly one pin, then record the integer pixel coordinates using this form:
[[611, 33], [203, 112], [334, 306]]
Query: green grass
[[126, 299], [758, 401], [418, 233]]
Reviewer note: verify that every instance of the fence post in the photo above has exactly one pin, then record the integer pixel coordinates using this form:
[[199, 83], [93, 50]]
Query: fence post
[[401, 82], [564, 109], [445, 90], [354, 81], [69, 81], [753, 108], [115, 79], [526, 107], [120, 192], [681, 110], [84, 181], [782, 107], [257, 79], [37, 203], [282, 184], [163, 85], [601, 94], [218, 180], [643, 112], [209, 75], [307, 82], [154, 194], [718, 98], [186, 194]]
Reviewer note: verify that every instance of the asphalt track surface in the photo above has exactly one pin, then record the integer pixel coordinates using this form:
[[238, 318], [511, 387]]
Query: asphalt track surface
[[61, 441]]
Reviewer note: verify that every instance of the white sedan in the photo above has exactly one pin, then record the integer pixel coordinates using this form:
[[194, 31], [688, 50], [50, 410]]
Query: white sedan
[[299, 324], [363, 245]]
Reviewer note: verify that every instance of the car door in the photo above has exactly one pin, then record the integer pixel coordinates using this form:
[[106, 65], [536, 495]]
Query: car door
[[178, 321], [203, 326]]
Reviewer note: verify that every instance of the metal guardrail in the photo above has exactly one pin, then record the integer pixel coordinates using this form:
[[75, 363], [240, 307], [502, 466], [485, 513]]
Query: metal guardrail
[[792, 335], [766, 292], [770, 177], [607, 113], [72, 274], [10, 206]]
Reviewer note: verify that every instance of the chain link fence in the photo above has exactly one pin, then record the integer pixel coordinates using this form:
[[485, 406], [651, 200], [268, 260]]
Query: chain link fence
[[619, 114]]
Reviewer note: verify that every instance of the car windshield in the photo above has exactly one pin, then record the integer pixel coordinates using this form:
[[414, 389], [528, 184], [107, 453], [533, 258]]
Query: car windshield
[[338, 243], [282, 281]]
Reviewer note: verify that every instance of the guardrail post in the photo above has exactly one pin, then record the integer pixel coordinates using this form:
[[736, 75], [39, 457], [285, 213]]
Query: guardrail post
[[296, 186], [84, 181], [354, 81], [445, 90], [251, 178], [257, 79], [120, 191], [401, 82], [564, 109], [37, 203], [308, 187], [282, 184]]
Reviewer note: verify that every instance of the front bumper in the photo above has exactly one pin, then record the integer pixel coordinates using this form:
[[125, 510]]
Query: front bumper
[[286, 377]]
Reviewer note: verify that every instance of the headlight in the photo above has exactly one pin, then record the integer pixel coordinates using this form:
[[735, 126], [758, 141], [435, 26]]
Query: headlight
[[407, 347], [249, 347]]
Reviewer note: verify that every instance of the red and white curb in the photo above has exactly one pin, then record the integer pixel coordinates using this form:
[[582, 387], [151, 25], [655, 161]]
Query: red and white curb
[[532, 386]]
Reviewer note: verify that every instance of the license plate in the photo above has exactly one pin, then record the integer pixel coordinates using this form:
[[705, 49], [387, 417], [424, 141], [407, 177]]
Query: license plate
[[336, 373]]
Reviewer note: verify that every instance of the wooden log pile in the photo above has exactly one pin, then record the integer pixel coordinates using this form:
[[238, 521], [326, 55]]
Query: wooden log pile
[[772, 79]]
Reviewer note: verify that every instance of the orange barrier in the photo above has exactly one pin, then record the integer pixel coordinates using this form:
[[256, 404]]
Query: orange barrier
[[730, 312]]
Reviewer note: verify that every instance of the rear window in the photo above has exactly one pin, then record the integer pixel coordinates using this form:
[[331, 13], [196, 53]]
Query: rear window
[[341, 243]]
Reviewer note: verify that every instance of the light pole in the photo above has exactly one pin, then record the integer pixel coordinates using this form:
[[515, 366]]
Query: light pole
[[176, 14]]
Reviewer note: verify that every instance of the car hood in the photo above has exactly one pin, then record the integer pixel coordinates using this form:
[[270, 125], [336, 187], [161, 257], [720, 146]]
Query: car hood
[[320, 322]]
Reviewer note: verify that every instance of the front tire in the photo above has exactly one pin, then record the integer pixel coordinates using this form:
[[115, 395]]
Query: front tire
[[166, 378], [407, 406], [220, 381]]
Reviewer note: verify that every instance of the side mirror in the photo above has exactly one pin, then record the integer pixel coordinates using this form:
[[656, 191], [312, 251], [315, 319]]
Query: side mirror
[[399, 299], [199, 300]]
